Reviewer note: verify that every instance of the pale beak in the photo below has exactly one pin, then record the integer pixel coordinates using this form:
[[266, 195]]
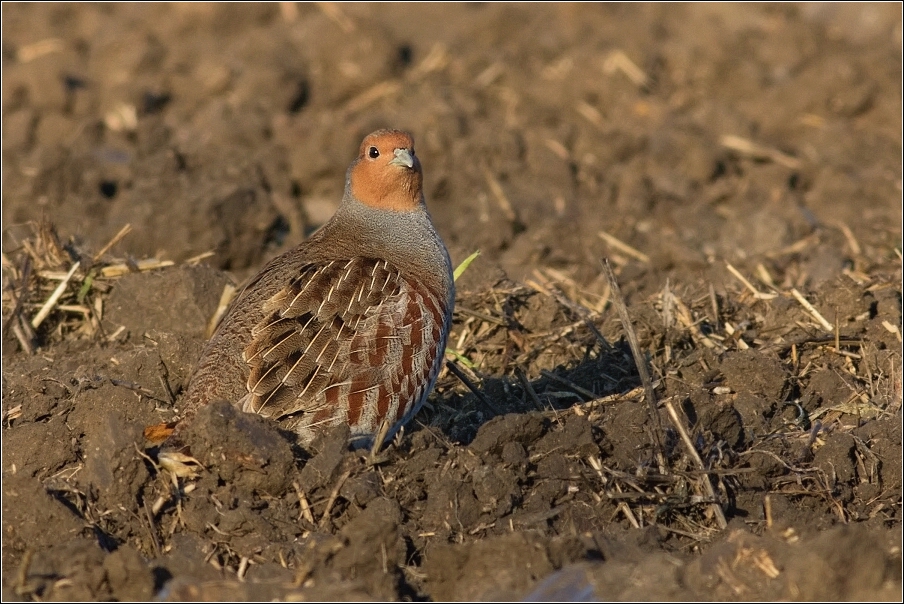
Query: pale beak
[[402, 158]]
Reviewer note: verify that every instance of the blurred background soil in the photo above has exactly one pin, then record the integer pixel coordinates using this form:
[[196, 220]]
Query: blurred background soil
[[739, 166]]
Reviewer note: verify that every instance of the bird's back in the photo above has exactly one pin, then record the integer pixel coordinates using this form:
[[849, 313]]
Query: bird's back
[[320, 338]]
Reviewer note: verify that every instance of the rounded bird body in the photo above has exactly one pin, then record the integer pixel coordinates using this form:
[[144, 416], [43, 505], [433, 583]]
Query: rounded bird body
[[351, 325]]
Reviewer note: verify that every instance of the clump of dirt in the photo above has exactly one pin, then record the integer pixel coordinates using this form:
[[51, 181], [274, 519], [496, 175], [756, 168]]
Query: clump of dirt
[[738, 165]]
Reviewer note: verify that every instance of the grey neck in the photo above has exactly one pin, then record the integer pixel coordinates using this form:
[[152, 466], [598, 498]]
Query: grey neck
[[408, 239]]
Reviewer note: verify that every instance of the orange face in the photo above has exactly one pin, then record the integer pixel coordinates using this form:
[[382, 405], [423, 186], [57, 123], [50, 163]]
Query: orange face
[[387, 174]]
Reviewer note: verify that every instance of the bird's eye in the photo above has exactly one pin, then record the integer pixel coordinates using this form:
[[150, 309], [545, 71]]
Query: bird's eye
[[373, 153]]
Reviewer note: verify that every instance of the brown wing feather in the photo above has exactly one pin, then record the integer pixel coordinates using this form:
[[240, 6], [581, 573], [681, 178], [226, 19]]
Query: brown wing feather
[[348, 342]]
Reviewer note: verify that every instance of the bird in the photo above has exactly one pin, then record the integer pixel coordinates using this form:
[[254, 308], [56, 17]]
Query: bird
[[350, 326]]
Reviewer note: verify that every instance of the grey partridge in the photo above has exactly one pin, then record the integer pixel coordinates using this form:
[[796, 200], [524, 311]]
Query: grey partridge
[[349, 327]]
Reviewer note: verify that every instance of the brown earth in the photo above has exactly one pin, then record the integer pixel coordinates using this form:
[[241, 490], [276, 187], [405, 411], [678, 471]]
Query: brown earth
[[694, 137]]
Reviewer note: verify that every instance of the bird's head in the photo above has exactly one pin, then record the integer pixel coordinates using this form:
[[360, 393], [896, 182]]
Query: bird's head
[[386, 175]]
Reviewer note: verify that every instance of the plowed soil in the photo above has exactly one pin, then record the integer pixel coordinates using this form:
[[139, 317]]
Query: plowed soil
[[738, 165]]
